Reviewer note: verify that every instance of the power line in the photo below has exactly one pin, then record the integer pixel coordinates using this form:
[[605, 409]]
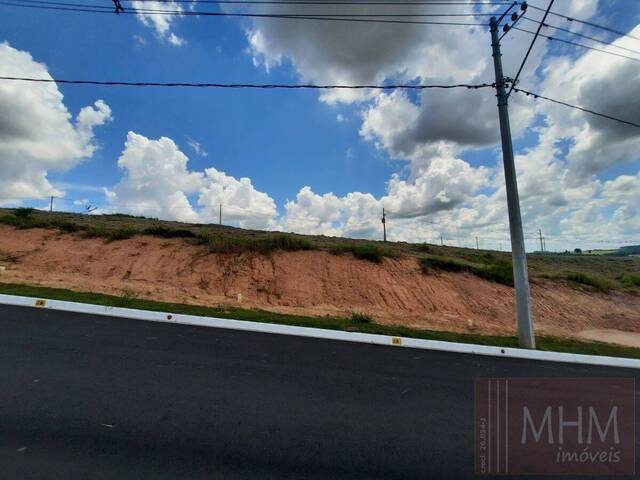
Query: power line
[[581, 35], [575, 44], [584, 22], [347, 2], [250, 85], [360, 18], [577, 107], [535, 37], [293, 14]]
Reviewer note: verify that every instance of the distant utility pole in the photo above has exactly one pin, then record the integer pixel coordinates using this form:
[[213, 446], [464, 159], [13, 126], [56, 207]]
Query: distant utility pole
[[384, 225], [520, 275], [220, 218], [51, 204], [477, 244], [541, 241], [441, 240]]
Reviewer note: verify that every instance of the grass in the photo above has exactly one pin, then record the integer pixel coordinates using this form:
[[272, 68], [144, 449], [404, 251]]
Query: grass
[[263, 244], [357, 317], [164, 232], [630, 280], [493, 269], [598, 283], [331, 323], [368, 251], [619, 271]]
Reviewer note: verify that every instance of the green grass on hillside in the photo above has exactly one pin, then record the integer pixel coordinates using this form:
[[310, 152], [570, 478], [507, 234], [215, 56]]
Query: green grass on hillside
[[598, 283], [370, 252], [492, 269], [621, 273], [356, 323]]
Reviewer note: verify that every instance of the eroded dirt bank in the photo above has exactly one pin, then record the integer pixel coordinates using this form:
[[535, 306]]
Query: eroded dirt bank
[[306, 283]]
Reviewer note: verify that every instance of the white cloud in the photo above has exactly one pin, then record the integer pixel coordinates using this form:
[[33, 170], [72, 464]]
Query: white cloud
[[160, 24], [197, 148], [241, 203], [603, 83], [158, 183], [37, 132]]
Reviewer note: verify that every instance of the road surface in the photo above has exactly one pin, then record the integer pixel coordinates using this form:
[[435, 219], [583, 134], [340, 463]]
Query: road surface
[[93, 397]]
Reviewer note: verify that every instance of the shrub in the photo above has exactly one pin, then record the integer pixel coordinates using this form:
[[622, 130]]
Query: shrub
[[368, 251], [630, 280], [357, 317], [261, 243], [599, 283], [23, 212], [121, 234], [498, 271], [164, 232], [11, 220], [110, 235], [65, 226]]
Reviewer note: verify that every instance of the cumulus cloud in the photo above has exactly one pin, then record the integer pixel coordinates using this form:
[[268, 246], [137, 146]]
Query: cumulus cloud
[[242, 204], [160, 24], [597, 143], [37, 132], [157, 182]]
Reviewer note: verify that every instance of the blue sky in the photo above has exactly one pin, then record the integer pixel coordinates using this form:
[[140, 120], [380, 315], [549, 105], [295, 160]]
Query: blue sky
[[364, 151]]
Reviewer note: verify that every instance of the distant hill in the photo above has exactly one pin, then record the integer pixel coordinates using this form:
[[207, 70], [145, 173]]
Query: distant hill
[[629, 250]]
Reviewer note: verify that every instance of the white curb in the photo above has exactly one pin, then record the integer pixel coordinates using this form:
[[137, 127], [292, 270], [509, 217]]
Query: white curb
[[319, 332]]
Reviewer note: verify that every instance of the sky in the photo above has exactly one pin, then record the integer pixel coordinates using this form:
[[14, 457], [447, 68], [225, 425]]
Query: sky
[[325, 162]]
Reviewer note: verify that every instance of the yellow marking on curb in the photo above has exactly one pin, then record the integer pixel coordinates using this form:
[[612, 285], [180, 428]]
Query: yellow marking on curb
[[41, 303], [396, 341]]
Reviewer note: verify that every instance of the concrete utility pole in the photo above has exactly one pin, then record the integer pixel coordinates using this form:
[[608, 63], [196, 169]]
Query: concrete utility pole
[[477, 244], [521, 279], [51, 204], [441, 240], [384, 225], [220, 219], [541, 242]]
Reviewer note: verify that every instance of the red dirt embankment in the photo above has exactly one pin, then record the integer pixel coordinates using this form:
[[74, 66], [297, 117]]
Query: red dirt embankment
[[307, 283]]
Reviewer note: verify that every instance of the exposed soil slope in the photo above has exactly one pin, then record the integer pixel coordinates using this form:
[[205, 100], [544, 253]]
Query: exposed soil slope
[[308, 282]]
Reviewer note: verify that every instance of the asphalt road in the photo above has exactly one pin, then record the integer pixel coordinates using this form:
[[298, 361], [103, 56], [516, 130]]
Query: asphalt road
[[93, 397]]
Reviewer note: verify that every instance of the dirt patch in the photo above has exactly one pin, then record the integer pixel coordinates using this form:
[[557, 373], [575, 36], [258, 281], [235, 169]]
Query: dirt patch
[[306, 283], [627, 339]]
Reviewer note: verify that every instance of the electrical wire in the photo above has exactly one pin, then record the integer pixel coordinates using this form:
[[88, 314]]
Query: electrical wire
[[548, 37], [577, 107], [535, 37], [84, 8], [250, 85], [188, 12], [584, 22], [581, 35], [318, 2]]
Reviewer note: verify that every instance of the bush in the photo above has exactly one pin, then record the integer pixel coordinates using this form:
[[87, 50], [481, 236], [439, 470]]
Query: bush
[[357, 317], [164, 232], [499, 271], [368, 251], [445, 264], [630, 280], [23, 212], [110, 235], [121, 234], [599, 283], [65, 226], [261, 243]]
